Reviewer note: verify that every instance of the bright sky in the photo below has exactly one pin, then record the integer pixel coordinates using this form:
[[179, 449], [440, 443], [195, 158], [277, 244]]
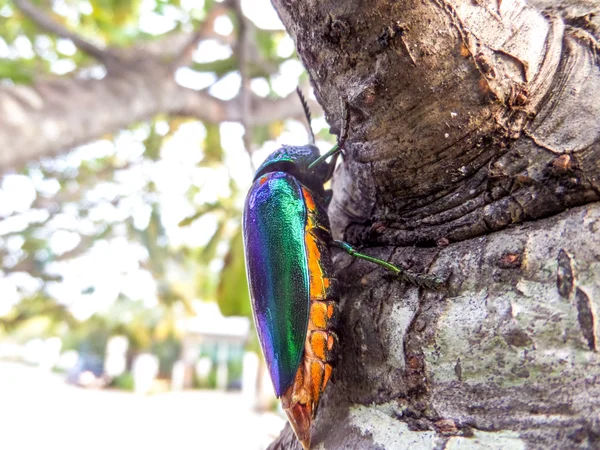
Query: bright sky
[[115, 266]]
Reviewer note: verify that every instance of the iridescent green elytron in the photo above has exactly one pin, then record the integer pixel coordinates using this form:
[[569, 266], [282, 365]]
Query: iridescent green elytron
[[278, 272], [291, 277]]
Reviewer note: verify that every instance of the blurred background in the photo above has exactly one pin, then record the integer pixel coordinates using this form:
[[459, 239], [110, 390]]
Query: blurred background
[[125, 319]]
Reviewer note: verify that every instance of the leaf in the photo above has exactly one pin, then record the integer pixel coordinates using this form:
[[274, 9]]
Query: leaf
[[16, 70], [232, 295], [153, 143], [263, 133], [266, 43], [153, 238], [35, 307], [213, 152], [260, 134]]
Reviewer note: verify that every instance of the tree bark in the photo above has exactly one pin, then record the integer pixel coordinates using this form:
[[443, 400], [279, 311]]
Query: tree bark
[[473, 153]]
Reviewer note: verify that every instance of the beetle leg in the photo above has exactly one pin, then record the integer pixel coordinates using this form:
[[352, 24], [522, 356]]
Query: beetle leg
[[334, 150], [418, 279]]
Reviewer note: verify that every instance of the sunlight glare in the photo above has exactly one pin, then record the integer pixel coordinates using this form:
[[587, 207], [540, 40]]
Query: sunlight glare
[[192, 79], [223, 25], [23, 46], [260, 86], [236, 158], [262, 13], [185, 146], [20, 192], [4, 50], [85, 7], [66, 47], [62, 66], [211, 50], [227, 87], [155, 24], [285, 82], [140, 285], [63, 241], [286, 47]]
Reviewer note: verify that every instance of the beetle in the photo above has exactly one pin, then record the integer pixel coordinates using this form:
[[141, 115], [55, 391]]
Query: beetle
[[291, 278]]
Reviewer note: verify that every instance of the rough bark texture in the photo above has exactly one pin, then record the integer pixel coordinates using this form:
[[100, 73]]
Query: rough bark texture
[[474, 142]]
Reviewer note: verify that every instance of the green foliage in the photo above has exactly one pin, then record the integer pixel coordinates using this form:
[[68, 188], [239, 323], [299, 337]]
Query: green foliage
[[219, 67], [233, 296], [209, 252], [213, 152], [123, 382], [153, 143], [209, 383], [33, 308], [20, 72], [267, 43], [262, 134], [168, 352], [234, 371], [91, 338]]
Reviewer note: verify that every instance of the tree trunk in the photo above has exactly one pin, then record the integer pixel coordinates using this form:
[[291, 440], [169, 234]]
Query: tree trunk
[[473, 153]]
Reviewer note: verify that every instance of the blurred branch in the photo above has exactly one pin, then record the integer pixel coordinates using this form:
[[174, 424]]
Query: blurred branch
[[171, 45], [84, 245], [36, 307], [245, 92], [262, 111], [210, 207], [27, 265], [255, 68], [53, 117], [46, 23]]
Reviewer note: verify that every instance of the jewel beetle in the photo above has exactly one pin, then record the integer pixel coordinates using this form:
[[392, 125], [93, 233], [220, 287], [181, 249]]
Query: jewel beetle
[[293, 290]]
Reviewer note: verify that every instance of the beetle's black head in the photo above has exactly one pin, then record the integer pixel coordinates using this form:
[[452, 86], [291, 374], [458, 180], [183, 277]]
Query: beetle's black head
[[295, 161]]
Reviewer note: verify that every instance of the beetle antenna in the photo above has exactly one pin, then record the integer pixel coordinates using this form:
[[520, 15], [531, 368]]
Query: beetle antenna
[[306, 114]]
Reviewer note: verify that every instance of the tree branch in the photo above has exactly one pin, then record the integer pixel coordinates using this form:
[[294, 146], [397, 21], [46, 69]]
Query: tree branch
[[52, 117], [28, 310], [245, 92], [46, 23], [169, 46], [263, 110]]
